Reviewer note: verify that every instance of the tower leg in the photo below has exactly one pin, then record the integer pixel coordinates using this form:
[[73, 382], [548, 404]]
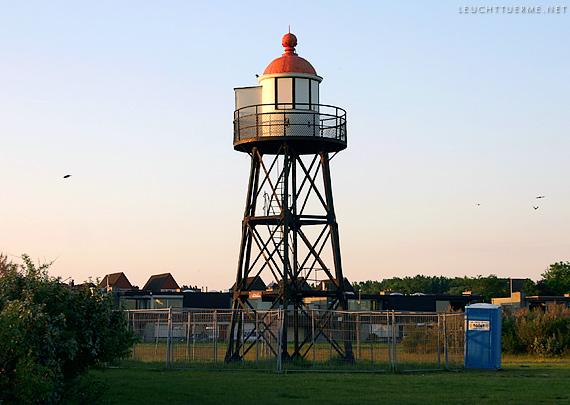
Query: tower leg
[[335, 241], [236, 329]]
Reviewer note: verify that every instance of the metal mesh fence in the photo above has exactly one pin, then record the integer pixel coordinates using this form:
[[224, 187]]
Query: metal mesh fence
[[321, 341]]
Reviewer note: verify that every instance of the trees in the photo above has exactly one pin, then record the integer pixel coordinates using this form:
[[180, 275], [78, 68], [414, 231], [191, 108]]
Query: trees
[[407, 285], [492, 287], [489, 287], [368, 287], [556, 279], [51, 333], [530, 288]]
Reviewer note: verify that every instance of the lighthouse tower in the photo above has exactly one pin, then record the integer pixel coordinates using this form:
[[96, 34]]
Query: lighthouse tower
[[290, 236]]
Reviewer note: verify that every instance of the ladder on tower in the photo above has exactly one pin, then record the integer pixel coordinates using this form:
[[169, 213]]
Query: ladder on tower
[[273, 205]]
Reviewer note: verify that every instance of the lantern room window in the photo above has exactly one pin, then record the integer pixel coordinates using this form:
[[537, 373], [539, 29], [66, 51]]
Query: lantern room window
[[296, 93], [284, 94]]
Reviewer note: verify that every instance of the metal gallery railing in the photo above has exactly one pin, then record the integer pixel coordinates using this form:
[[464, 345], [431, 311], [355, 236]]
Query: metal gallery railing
[[379, 340], [290, 120]]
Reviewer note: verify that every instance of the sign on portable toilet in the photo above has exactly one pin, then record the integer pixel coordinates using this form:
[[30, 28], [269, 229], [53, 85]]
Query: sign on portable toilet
[[483, 336]]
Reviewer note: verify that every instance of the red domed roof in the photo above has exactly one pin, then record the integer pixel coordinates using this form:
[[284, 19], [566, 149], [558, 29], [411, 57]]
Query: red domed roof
[[290, 62]]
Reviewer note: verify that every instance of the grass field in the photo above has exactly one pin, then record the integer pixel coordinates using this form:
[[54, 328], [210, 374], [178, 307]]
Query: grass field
[[517, 383]]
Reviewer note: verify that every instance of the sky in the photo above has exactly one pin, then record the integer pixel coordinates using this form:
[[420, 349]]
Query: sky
[[457, 120]]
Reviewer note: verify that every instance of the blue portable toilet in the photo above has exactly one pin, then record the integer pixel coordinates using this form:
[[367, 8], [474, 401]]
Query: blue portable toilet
[[483, 336]]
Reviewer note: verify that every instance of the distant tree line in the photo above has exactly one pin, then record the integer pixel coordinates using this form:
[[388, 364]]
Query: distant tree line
[[555, 281]]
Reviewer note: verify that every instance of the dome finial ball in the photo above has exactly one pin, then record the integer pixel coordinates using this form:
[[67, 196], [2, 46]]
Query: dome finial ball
[[289, 42]]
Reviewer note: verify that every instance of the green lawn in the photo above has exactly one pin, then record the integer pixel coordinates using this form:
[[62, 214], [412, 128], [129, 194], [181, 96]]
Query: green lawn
[[517, 383]]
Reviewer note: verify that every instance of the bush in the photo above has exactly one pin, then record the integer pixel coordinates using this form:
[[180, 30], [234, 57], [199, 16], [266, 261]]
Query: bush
[[546, 347], [51, 334], [543, 333], [430, 337], [422, 338], [510, 342]]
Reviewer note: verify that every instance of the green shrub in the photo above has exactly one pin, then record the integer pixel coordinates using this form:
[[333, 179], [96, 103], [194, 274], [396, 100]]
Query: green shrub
[[546, 347], [545, 333], [422, 338], [51, 334], [511, 343]]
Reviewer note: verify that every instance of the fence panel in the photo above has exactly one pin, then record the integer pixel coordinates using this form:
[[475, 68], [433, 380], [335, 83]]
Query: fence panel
[[419, 341], [454, 325], [324, 340]]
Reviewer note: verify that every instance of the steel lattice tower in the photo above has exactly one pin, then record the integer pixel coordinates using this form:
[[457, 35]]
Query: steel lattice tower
[[289, 230]]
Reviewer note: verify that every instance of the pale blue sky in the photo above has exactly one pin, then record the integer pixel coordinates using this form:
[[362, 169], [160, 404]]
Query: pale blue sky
[[135, 100]]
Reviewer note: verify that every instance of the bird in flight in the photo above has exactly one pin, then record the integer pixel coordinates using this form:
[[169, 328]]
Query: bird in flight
[[534, 207], [540, 196], [67, 176]]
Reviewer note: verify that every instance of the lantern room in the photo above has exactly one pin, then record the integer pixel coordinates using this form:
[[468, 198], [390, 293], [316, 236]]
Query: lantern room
[[286, 107]]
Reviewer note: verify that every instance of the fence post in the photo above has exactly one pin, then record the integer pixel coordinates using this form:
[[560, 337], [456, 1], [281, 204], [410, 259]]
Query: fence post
[[188, 333], [313, 337], [243, 337], [193, 336], [358, 347], [168, 330], [215, 337], [131, 323], [280, 336], [331, 320], [394, 342], [445, 340], [256, 338], [389, 338], [438, 342], [370, 334]]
